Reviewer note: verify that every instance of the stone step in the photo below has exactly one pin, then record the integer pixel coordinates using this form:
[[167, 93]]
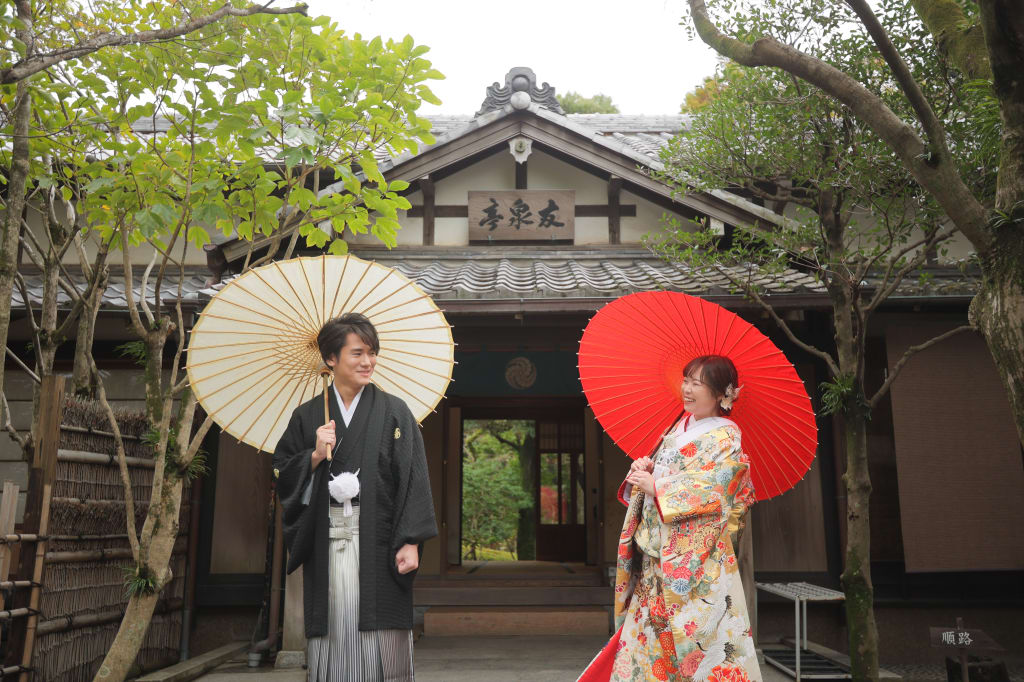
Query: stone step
[[483, 621]]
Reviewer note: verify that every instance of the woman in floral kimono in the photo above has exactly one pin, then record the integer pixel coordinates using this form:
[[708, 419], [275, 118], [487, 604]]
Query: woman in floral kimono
[[678, 597]]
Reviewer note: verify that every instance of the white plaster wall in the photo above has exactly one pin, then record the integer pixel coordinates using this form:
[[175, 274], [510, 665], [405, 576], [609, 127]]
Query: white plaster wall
[[547, 172], [650, 219], [591, 231], [494, 172], [451, 231]]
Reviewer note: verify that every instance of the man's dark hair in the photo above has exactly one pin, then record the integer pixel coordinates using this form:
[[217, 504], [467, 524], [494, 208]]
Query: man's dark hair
[[333, 335], [716, 371]]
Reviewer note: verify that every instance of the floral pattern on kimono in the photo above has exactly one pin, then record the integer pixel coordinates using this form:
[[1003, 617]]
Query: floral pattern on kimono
[[678, 595]]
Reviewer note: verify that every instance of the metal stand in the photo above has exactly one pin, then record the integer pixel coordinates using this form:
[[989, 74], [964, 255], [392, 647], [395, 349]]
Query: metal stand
[[801, 663]]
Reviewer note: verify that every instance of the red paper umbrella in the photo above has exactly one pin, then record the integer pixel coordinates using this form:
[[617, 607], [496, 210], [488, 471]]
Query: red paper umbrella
[[632, 357]]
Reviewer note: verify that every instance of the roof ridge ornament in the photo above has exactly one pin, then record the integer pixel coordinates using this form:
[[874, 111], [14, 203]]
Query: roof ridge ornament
[[524, 80]]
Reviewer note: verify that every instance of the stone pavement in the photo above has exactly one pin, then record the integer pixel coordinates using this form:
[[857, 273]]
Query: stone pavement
[[465, 659]]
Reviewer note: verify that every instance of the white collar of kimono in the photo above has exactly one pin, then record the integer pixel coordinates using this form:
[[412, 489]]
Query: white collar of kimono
[[691, 429], [346, 414]]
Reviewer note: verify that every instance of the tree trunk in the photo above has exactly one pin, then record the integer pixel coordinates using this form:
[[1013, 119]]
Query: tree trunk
[[15, 207], [155, 342], [120, 659], [998, 313], [856, 578], [47, 350], [81, 376]]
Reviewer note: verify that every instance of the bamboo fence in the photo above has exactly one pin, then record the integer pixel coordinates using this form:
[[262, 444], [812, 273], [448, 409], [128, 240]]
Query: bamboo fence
[[87, 552]]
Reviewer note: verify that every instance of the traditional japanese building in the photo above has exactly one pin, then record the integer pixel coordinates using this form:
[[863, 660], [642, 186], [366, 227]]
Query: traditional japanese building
[[524, 222]]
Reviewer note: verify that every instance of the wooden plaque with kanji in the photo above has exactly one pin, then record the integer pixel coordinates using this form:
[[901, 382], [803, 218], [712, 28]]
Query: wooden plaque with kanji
[[527, 214]]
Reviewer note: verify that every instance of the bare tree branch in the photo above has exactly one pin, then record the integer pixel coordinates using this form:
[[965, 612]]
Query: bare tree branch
[[122, 462], [21, 440], [755, 296], [144, 291], [81, 300], [38, 62], [197, 440], [31, 315], [910, 352], [34, 250], [932, 125], [17, 360], [129, 283], [180, 318], [890, 282]]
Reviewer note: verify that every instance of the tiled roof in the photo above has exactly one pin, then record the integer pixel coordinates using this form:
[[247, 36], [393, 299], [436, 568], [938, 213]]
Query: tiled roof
[[638, 137], [646, 134], [602, 275], [114, 297], [474, 273]]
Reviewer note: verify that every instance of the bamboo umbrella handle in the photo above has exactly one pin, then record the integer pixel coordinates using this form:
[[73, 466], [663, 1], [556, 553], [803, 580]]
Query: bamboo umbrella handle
[[325, 374]]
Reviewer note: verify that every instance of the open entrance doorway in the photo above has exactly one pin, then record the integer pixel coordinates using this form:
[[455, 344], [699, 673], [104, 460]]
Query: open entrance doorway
[[523, 486]]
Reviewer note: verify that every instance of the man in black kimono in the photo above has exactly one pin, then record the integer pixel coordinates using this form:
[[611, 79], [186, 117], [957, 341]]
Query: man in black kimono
[[358, 568]]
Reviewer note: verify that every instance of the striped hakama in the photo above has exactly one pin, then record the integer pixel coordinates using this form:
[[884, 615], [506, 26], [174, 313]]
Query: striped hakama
[[346, 654]]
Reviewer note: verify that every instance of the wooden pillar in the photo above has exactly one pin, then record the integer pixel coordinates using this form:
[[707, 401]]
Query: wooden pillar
[[592, 499], [293, 642], [614, 215], [521, 176], [8, 510], [40, 479], [451, 532], [427, 187]]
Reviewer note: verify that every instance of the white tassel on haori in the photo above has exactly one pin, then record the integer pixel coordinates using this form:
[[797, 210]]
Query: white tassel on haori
[[343, 488]]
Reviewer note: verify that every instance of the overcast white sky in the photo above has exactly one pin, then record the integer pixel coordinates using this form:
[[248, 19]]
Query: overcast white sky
[[633, 50]]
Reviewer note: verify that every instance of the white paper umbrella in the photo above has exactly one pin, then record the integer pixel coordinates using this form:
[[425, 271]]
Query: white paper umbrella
[[253, 358]]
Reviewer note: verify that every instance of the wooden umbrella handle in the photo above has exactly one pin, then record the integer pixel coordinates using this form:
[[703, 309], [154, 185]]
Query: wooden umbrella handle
[[325, 374]]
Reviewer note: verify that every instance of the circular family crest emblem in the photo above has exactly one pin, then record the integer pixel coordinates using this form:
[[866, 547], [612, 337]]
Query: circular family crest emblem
[[520, 373]]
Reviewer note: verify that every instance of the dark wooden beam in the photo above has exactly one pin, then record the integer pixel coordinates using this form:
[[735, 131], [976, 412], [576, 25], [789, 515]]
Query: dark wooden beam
[[582, 211], [614, 222], [604, 211], [521, 175], [427, 187], [441, 211]]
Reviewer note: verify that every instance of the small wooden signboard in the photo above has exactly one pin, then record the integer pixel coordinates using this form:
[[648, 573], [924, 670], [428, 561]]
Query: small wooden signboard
[[526, 214], [963, 640]]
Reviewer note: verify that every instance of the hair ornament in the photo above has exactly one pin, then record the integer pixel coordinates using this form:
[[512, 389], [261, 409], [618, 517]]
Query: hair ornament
[[731, 394]]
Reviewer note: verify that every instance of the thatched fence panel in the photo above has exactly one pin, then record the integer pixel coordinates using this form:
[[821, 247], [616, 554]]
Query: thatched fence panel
[[88, 554]]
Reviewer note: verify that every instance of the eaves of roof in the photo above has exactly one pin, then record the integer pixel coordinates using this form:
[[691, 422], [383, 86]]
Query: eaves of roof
[[482, 280]]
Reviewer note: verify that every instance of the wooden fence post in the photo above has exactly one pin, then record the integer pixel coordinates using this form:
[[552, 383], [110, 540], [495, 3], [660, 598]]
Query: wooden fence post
[[8, 510], [41, 478], [37, 590]]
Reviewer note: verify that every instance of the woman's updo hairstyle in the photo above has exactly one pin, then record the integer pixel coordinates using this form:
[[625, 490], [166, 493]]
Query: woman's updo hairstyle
[[718, 373]]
